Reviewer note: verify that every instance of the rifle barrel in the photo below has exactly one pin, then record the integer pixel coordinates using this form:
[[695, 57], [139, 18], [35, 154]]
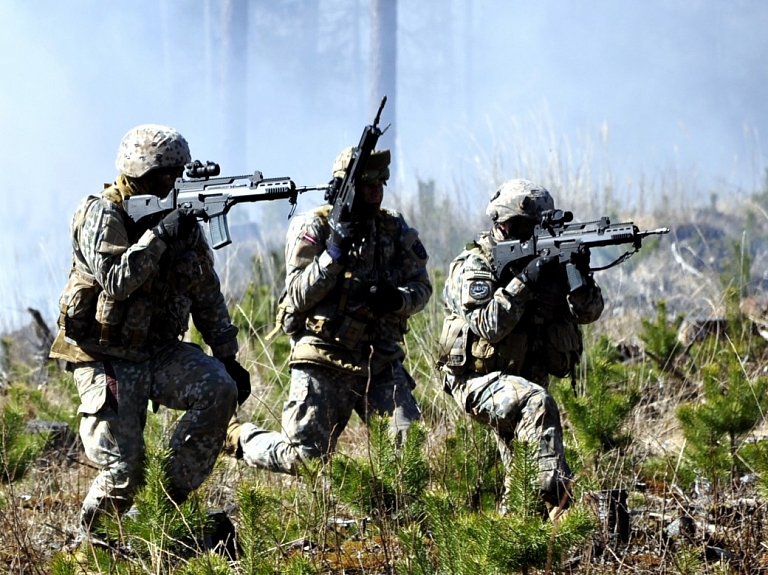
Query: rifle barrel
[[657, 231]]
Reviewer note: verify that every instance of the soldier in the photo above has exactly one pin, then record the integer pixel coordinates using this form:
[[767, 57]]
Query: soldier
[[131, 290], [503, 338], [348, 299]]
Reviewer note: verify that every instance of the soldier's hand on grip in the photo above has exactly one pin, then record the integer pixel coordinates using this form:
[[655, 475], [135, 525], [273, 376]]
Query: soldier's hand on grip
[[340, 241], [581, 260], [175, 225], [384, 298], [539, 271], [240, 375]]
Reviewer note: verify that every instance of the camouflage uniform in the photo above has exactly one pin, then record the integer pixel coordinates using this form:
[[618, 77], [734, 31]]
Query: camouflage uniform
[[128, 300], [344, 358], [501, 340]]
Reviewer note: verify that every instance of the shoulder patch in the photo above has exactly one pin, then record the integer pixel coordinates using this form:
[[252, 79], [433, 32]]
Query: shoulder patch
[[479, 290], [309, 238], [418, 249]]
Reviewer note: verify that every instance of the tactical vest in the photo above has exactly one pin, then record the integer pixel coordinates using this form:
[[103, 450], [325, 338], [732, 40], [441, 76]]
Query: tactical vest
[[94, 324], [543, 342], [333, 320]]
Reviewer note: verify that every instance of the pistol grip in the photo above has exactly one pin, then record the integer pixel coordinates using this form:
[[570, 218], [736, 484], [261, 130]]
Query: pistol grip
[[217, 227], [576, 279]]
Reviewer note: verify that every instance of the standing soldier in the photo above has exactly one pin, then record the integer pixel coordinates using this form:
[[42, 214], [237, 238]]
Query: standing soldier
[[132, 288], [504, 337], [349, 294]]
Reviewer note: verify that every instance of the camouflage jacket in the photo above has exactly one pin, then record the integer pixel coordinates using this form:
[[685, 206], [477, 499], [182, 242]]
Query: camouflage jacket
[[494, 325], [129, 293], [333, 326]]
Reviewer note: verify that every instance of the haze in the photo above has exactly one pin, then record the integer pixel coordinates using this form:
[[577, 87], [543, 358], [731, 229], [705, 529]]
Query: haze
[[655, 87]]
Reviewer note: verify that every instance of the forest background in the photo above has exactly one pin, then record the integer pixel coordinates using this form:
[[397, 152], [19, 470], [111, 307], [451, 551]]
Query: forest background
[[651, 113]]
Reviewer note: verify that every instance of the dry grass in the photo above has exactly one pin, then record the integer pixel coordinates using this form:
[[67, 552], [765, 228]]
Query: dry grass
[[688, 269]]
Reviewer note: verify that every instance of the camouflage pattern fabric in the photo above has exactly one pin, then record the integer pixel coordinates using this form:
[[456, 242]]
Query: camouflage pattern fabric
[[114, 397], [517, 409], [151, 146], [507, 326], [318, 409], [376, 170], [343, 344], [391, 251], [497, 313], [140, 284], [128, 301], [519, 198]]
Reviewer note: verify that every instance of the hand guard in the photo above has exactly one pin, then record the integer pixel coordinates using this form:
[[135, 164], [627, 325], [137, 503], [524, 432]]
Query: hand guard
[[240, 375], [384, 298], [539, 270], [175, 225]]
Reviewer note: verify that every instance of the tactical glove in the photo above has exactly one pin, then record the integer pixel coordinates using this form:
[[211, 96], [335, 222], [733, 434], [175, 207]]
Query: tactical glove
[[384, 298], [175, 225], [539, 271], [240, 375], [581, 260], [340, 241]]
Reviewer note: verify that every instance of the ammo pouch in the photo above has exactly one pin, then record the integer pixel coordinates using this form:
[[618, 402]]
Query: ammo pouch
[[329, 325], [77, 305], [562, 347], [109, 314], [460, 349], [508, 354], [123, 322], [452, 346], [287, 317]]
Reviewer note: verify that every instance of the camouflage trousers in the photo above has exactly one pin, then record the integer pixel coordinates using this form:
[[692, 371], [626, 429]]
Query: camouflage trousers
[[319, 405], [517, 409], [114, 396]]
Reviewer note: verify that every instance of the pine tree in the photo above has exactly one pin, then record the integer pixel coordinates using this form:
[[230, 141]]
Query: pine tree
[[487, 543], [598, 415], [731, 407]]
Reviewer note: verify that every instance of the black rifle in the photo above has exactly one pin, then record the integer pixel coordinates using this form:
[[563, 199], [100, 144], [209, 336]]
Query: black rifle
[[341, 193], [210, 198], [557, 235]]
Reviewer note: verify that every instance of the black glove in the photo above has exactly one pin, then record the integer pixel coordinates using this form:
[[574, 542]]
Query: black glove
[[384, 298], [340, 241], [540, 270], [581, 260], [175, 225], [240, 375]]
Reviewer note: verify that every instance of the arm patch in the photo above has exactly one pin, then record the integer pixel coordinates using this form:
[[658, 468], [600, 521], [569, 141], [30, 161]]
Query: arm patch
[[419, 250], [477, 288]]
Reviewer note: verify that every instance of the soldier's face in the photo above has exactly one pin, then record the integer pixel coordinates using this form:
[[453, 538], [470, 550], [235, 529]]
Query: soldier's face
[[163, 180], [517, 228], [372, 193]]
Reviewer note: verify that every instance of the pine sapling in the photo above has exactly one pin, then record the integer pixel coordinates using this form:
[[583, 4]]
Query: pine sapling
[[731, 407], [599, 415]]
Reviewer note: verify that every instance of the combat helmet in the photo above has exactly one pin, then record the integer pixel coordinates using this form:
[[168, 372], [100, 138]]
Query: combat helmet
[[519, 198], [151, 146], [376, 170]]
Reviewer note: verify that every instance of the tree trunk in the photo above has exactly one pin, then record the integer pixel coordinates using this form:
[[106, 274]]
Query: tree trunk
[[234, 35], [384, 66]]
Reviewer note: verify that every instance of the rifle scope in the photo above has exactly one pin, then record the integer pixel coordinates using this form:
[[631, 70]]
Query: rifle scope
[[198, 170]]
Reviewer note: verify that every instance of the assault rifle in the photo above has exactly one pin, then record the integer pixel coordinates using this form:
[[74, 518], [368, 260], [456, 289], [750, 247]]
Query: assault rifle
[[210, 198], [341, 192], [557, 235]]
